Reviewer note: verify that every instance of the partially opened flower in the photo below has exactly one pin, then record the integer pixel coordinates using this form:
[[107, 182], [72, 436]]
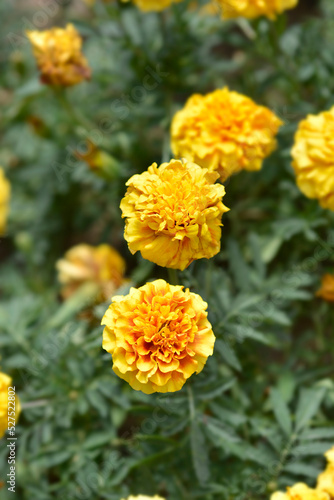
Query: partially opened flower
[[326, 479], [173, 214], [327, 288], [254, 8], [313, 157], [99, 161], [300, 491], [84, 263], [4, 201], [59, 57], [153, 5], [158, 336], [224, 131], [6, 397]]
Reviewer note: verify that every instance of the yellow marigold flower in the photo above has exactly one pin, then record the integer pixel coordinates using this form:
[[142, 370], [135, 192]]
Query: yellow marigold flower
[[327, 288], [254, 8], [300, 491], [156, 5], [224, 131], [59, 57], [173, 214], [84, 263], [5, 383], [4, 201], [158, 336], [313, 157], [143, 497], [326, 479]]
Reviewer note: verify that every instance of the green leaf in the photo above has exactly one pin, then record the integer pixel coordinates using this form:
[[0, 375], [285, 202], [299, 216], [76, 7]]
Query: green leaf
[[228, 354], [238, 265], [321, 433], [218, 434], [199, 452], [257, 257], [308, 405], [301, 468], [314, 448], [98, 439], [281, 411]]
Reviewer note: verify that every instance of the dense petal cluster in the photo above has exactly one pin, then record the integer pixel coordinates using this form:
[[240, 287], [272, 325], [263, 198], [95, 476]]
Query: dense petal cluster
[[313, 157], [59, 57], [4, 201], [326, 290], [326, 479], [300, 491], [153, 5], [224, 131], [5, 383], [173, 214], [84, 263], [254, 8], [158, 336]]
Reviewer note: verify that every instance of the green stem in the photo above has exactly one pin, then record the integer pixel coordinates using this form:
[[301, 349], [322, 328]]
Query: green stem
[[172, 276], [77, 117], [192, 410]]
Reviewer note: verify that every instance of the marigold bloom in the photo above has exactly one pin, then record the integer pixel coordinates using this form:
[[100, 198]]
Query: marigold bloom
[[300, 491], [254, 8], [313, 157], [173, 214], [5, 383], [84, 263], [224, 131], [327, 288], [59, 57], [4, 201], [158, 336], [326, 479], [156, 5]]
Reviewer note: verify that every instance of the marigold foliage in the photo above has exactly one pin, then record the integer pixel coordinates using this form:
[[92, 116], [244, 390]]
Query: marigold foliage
[[313, 157], [158, 336], [300, 491], [4, 201], [172, 226], [59, 57], [5, 382], [254, 8], [84, 263], [224, 131]]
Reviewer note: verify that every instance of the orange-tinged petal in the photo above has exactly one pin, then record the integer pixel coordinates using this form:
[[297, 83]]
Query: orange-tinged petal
[[153, 334]]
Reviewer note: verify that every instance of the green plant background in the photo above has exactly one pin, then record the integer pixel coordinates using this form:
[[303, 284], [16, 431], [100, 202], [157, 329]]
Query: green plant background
[[260, 415]]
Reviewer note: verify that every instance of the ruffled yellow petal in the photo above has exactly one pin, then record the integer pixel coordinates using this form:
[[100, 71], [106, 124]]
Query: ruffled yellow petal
[[224, 131], [173, 227], [313, 157], [157, 335]]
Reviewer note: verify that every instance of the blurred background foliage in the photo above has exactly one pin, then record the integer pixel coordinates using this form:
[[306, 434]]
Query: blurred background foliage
[[260, 415]]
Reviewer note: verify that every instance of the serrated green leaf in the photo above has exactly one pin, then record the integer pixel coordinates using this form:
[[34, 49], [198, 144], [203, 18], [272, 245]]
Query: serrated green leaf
[[281, 411], [308, 405]]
